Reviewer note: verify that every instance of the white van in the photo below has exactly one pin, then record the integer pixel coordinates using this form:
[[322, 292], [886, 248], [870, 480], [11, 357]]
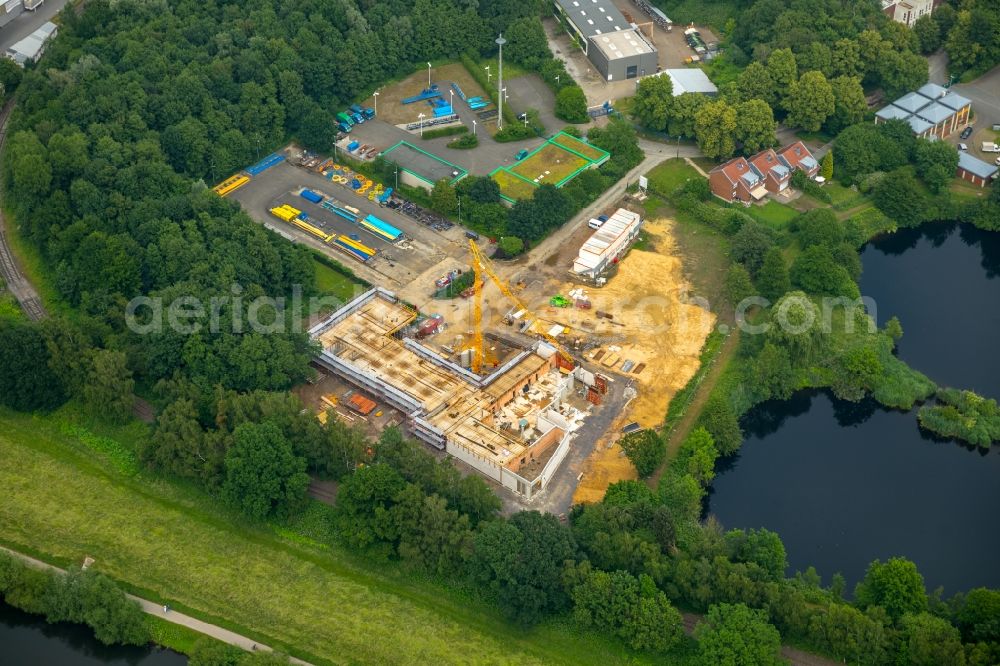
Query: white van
[[595, 224]]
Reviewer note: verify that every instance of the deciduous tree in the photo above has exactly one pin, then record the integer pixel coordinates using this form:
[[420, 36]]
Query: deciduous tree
[[571, 105], [895, 585], [772, 278], [264, 478], [755, 126], [736, 634], [810, 101], [108, 392], [715, 127], [652, 105]]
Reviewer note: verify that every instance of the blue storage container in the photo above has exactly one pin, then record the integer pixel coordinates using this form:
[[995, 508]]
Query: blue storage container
[[309, 195]]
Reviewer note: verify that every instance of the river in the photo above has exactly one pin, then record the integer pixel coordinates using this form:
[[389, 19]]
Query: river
[[846, 483], [27, 640]]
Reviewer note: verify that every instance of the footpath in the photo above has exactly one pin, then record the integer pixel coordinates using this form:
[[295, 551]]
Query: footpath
[[153, 608]]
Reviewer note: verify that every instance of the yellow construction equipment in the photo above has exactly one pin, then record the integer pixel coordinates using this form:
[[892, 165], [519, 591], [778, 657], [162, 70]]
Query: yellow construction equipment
[[482, 264], [230, 185]]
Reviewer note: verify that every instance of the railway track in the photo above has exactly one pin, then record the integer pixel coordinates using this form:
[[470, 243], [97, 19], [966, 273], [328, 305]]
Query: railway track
[[16, 282]]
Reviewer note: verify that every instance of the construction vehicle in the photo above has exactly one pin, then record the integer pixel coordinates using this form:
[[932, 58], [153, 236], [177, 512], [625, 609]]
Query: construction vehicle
[[990, 147], [559, 301], [481, 264]]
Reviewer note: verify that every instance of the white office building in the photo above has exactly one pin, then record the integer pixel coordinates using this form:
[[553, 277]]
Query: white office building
[[33, 46], [608, 244]]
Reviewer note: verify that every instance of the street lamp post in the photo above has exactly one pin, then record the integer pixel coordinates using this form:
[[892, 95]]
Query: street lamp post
[[460, 209], [557, 80], [375, 95], [397, 179], [489, 76], [421, 118], [452, 100], [428, 75], [473, 128], [503, 91]]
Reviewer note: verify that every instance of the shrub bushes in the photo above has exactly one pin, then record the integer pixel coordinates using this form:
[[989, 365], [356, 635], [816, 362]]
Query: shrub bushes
[[81, 597]]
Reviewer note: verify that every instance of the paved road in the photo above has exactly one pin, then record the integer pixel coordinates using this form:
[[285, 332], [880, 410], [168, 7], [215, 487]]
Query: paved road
[[152, 608], [985, 95], [11, 273], [28, 22]]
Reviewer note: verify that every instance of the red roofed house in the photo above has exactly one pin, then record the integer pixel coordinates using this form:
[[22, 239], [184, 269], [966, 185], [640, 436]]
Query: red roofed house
[[776, 174], [797, 156], [736, 179]]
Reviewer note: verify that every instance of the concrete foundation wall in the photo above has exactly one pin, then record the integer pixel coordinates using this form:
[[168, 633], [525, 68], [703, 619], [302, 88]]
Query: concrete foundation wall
[[553, 464], [485, 467]]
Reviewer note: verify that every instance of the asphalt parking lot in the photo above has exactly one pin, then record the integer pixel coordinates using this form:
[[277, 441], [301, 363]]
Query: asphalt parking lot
[[985, 95], [397, 266]]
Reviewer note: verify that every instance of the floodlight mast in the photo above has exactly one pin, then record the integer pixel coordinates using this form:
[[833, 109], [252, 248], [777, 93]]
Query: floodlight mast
[[500, 41]]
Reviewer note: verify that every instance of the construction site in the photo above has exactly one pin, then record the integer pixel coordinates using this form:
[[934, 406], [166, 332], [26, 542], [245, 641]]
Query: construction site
[[541, 367], [513, 424]]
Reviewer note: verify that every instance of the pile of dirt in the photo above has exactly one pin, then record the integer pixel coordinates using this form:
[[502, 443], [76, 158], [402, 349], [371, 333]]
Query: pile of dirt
[[605, 466], [656, 323]]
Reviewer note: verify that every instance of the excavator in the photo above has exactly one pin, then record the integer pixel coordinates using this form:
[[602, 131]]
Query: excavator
[[481, 265]]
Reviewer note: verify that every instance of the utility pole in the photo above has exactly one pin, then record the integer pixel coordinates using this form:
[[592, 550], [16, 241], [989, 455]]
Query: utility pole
[[500, 42]]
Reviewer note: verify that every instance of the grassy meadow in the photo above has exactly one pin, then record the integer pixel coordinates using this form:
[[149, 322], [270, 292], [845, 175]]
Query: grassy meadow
[[75, 489]]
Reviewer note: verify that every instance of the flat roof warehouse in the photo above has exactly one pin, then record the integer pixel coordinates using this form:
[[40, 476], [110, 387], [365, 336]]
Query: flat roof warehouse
[[594, 17]]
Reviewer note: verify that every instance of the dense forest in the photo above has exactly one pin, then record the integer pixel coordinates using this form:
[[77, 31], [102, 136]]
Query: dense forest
[[139, 103], [815, 66]]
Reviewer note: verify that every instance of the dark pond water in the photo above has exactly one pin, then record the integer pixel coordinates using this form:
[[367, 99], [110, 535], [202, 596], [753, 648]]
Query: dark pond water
[[27, 640], [846, 483]]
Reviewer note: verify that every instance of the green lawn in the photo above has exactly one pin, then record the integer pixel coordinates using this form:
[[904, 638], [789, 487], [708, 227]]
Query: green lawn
[[773, 214], [840, 195], [334, 283], [69, 493], [668, 175]]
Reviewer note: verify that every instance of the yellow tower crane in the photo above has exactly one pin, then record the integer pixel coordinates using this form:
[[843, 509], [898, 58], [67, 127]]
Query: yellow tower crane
[[482, 264]]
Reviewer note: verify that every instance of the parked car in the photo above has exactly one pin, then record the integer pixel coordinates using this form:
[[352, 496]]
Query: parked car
[[602, 218], [521, 154], [962, 146], [996, 127], [472, 235], [967, 132]]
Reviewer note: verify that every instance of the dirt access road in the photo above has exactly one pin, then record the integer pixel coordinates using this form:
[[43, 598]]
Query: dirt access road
[[156, 608]]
